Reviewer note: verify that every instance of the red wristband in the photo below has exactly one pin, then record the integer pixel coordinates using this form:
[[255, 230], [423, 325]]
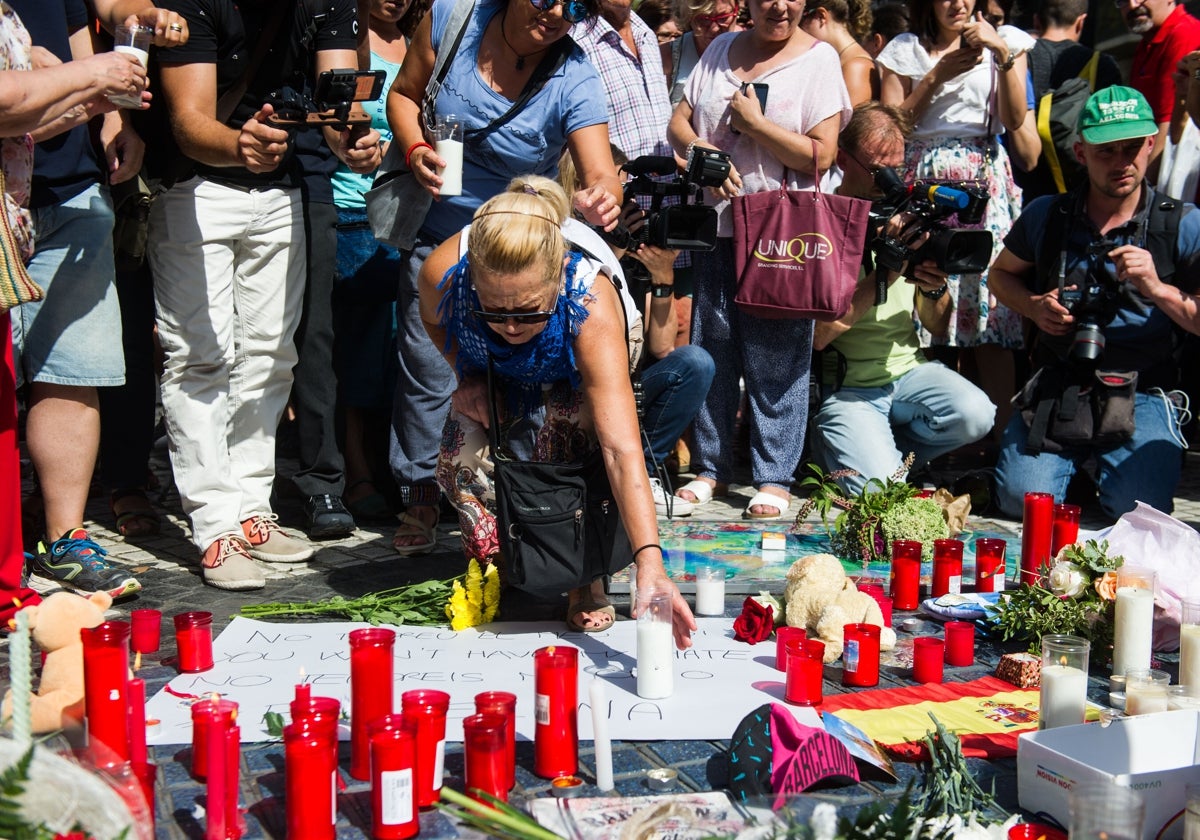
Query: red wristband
[[411, 149]]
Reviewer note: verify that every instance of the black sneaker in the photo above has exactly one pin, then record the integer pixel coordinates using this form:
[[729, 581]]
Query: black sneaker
[[327, 517], [78, 562]]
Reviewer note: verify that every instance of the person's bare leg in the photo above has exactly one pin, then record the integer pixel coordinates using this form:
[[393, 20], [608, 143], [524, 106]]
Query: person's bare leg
[[63, 435]]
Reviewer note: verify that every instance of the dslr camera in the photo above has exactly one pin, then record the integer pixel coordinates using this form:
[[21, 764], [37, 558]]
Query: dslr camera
[[1093, 302], [954, 250], [688, 225], [335, 93]]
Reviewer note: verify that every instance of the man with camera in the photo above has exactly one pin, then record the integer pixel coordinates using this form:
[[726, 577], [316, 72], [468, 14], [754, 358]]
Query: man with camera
[[881, 399], [1107, 274], [228, 257]]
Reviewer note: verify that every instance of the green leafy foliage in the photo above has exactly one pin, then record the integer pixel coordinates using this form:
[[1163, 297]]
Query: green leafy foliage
[[418, 604], [13, 825], [950, 787]]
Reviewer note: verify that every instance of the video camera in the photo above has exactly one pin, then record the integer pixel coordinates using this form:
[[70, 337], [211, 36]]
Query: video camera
[[1093, 302], [688, 226], [335, 93], [953, 250]]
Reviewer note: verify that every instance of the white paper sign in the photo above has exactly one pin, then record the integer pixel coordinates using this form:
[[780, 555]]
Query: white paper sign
[[717, 682]]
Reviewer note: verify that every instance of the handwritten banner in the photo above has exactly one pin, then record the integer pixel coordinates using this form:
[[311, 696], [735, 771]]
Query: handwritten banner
[[258, 664]]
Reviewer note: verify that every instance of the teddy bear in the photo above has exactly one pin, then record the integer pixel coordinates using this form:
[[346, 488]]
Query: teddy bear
[[821, 599], [54, 625]]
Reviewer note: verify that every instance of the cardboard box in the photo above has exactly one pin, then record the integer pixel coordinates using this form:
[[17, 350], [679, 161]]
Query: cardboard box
[[1155, 755]]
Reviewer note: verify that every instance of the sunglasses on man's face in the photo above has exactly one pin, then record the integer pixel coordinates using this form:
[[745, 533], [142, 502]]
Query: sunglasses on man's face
[[573, 11]]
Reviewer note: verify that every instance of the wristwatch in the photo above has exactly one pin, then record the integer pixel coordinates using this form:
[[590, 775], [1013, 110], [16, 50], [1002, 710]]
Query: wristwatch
[[937, 295], [661, 290]]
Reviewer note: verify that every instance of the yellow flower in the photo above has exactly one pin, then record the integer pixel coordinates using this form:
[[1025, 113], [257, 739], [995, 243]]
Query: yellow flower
[[474, 584], [459, 611], [491, 592]]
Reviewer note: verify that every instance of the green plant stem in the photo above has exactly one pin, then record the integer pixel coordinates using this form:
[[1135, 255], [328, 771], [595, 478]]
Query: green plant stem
[[494, 815]]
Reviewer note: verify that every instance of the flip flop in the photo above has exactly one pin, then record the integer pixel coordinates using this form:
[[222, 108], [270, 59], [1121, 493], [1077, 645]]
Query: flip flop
[[417, 529], [765, 499], [702, 490], [574, 611]]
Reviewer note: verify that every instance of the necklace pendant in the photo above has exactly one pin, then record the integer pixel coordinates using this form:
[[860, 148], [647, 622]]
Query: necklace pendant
[[520, 62]]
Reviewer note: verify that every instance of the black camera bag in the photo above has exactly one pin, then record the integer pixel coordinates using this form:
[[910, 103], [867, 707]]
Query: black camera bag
[[558, 524], [1061, 411]]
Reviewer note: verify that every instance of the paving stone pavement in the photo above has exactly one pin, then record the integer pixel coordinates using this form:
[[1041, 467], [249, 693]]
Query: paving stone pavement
[[167, 566]]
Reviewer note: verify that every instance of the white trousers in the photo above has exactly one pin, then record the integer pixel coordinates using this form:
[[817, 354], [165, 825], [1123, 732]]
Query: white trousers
[[229, 273]]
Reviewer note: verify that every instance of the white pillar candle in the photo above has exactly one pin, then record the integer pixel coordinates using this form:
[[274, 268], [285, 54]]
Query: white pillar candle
[[602, 743], [1133, 634], [710, 591], [1189, 656], [451, 151], [1063, 696], [655, 660]]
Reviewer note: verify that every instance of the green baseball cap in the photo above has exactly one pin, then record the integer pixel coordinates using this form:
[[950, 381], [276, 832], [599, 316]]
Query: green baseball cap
[[1116, 113]]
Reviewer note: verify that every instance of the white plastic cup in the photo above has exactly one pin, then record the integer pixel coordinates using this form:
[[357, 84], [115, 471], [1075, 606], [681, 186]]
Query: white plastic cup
[[132, 40], [448, 143]]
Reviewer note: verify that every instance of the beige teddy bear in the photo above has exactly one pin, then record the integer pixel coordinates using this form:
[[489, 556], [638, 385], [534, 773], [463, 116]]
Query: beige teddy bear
[[55, 626], [821, 599]]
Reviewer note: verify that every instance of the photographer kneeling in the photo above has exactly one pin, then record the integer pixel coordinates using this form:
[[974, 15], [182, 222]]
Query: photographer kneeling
[[522, 316], [881, 398], [1106, 273]]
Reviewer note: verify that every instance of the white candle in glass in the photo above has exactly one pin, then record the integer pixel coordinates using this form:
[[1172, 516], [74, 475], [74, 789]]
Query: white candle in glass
[[1189, 642], [1133, 634], [1063, 696], [1143, 697], [655, 647], [710, 591]]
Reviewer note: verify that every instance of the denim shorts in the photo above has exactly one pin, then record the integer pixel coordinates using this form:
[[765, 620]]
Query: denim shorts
[[73, 337]]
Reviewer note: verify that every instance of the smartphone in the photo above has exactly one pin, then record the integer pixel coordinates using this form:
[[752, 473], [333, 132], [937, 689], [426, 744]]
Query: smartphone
[[335, 87], [760, 90]]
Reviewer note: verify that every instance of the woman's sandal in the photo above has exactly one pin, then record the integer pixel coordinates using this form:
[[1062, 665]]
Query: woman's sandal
[[579, 607], [373, 507], [702, 490], [415, 528], [764, 499], [135, 516]]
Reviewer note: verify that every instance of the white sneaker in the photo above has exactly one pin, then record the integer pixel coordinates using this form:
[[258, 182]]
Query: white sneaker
[[679, 507]]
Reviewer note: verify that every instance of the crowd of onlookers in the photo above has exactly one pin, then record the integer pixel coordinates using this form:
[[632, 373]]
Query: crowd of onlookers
[[265, 297]]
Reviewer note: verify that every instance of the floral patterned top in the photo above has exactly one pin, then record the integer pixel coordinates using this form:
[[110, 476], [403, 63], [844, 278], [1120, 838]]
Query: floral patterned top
[[16, 153]]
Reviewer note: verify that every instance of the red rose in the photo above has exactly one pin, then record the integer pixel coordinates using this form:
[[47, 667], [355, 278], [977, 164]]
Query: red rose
[[755, 624]]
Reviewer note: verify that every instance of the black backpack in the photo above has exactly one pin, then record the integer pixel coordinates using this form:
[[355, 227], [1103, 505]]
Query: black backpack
[[1057, 113]]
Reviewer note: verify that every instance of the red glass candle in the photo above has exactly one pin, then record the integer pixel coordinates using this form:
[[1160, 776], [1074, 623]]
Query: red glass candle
[[216, 783], [1065, 527], [804, 672], [927, 659], [147, 776], [1036, 534], [426, 708], [505, 704], [193, 640], [989, 564], [782, 636], [877, 593], [233, 761], [485, 744], [318, 713], [147, 630], [906, 574], [860, 656], [106, 691], [137, 722], [370, 690], [393, 770], [556, 695], [310, 779], [947, 567], [206, 714], [960, 643]]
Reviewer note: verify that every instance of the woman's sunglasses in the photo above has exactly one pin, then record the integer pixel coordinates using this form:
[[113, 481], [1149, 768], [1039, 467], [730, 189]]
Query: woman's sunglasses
[[489, 316], [573, 11], [716, 20]]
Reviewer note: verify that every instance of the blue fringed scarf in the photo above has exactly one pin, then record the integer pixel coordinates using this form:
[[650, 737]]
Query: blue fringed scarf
[[548, 357]]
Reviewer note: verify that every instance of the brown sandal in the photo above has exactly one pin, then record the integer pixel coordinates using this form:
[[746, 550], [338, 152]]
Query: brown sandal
[[135, 516]]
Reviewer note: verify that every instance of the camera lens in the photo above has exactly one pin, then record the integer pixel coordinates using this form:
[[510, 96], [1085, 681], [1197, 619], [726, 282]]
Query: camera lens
[[1088, 342]]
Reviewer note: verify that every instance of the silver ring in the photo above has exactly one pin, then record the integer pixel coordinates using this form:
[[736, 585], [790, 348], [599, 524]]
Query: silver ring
[[175, 27]]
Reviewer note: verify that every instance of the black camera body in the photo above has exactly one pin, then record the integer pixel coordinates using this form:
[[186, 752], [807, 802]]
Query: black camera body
[[687, 226], [1093, 302], [953, 250], [335, 93]]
